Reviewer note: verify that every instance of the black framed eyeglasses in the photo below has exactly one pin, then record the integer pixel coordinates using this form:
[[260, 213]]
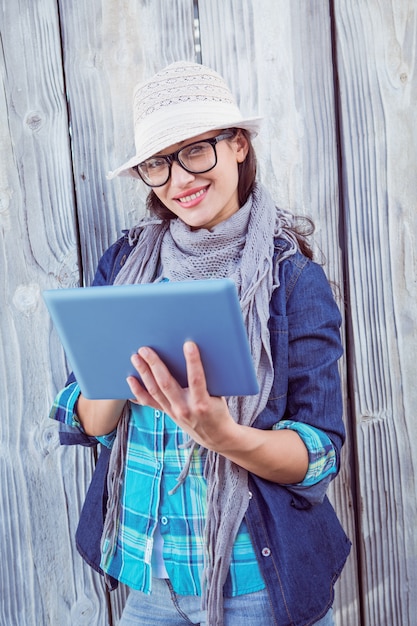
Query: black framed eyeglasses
[[197, 158]]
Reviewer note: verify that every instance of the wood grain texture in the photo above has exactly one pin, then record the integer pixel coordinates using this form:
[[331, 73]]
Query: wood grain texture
[[376, 51], [38, 250]]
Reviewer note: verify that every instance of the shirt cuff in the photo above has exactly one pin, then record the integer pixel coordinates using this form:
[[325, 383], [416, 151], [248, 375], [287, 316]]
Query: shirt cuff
[[107, 440], [321, 452], [64, 410]]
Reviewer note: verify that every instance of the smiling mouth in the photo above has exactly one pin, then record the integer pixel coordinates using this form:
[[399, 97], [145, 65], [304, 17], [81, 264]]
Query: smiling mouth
[[192, 196]]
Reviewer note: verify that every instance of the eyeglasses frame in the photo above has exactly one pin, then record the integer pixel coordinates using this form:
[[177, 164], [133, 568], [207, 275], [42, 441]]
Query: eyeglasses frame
[[170, 158]]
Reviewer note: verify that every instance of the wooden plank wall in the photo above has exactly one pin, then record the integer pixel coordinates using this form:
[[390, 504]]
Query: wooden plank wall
[[376, 60], [337, 86]]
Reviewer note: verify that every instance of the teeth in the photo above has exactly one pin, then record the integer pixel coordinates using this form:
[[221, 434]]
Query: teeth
[[192, 197]]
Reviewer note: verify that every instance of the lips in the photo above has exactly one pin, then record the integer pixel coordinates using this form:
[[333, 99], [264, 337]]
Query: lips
[[192, 198]]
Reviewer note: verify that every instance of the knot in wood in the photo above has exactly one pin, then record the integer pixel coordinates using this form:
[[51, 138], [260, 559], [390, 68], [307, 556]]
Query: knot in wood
[[26, 298], [34, 121]]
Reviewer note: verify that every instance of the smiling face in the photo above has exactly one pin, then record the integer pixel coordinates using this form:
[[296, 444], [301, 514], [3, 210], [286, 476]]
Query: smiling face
[[204, 200]]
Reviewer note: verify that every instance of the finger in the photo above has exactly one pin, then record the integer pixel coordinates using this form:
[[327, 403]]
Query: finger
[[145, 390], [140, 395], [158, 380], [195, 372]]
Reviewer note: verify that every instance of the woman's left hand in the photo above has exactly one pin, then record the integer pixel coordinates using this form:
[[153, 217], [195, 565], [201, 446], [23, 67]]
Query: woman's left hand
[[205, 418], [277, 455]]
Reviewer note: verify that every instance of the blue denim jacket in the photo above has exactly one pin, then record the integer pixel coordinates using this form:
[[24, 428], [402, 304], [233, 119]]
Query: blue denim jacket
[[300, 544]]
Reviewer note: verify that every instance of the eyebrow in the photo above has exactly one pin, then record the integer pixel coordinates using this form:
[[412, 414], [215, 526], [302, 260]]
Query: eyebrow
[[180, 145]]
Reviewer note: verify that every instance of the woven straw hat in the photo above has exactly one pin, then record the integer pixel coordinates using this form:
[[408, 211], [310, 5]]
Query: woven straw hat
[[181, 101]]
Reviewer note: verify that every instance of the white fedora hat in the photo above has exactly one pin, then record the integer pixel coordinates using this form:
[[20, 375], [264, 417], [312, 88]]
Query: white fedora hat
[[180, 102]]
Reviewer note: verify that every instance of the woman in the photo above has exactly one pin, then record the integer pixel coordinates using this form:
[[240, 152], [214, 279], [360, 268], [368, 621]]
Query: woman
[[216, 509]]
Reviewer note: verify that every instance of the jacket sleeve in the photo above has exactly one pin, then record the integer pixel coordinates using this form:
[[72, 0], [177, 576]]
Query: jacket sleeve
[[305, 339], [314, 349]]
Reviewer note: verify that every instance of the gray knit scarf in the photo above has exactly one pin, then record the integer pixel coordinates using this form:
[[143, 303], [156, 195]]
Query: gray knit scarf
[[242, 249]]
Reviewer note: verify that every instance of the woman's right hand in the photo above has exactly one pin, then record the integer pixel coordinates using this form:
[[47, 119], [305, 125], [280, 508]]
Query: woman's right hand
[[99, 417]]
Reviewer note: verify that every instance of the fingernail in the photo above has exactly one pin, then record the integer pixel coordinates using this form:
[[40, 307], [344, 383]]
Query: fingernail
[[134, 359]]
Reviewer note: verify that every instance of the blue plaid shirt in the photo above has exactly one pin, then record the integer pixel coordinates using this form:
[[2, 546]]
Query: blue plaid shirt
[[155, 456]]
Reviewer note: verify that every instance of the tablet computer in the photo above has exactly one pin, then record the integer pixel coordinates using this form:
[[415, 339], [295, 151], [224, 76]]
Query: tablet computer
[[101, 327]]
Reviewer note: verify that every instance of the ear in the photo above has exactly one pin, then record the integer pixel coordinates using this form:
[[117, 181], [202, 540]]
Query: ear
[[242, 147]]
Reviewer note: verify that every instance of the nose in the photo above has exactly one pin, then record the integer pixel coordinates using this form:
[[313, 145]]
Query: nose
[[180, 176]]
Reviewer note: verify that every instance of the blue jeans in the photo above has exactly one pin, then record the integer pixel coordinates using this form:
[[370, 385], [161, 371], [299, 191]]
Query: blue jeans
[[165, 608]]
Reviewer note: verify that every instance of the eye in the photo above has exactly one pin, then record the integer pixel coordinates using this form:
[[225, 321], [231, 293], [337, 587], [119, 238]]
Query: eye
[[196, 150], [154, 164]]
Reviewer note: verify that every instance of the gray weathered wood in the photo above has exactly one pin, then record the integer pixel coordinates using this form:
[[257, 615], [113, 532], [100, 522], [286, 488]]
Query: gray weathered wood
[[39, 250], [376, 54]]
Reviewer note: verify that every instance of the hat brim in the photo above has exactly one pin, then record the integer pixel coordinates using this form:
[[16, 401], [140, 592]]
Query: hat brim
[[252, 125]]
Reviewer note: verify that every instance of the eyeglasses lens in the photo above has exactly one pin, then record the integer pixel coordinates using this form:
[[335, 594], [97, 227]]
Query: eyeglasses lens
[[154, 171], [198, 157]]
